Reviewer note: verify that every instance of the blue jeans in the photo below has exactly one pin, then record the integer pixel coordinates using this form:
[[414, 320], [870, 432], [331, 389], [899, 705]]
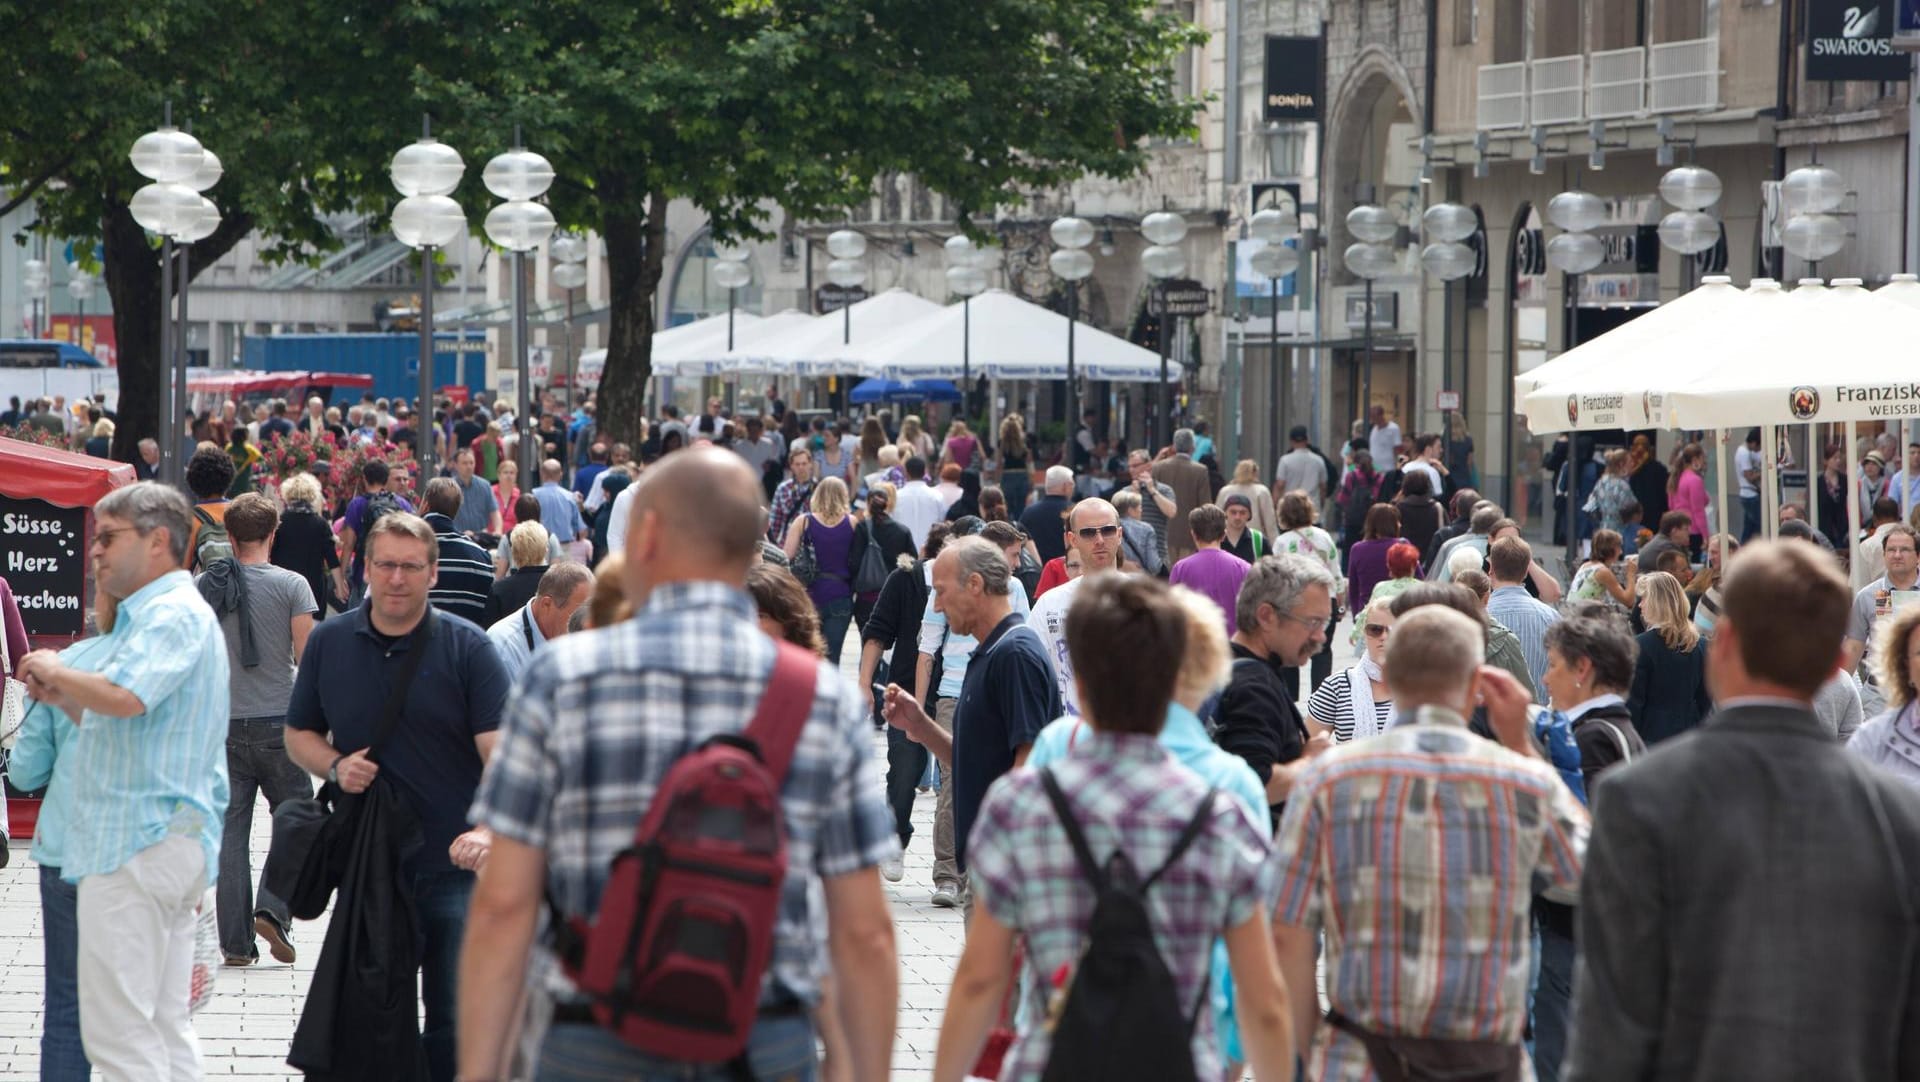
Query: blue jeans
[[441, 897], [1553, 993], [780, 1049], [834, 618], [62, 1058], [256, 763], [1750, 510]]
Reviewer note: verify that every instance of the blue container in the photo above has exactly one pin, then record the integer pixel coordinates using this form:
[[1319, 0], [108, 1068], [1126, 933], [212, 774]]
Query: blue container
[[393, 360]]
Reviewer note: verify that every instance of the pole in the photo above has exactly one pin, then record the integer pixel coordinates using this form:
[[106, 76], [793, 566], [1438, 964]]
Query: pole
[[523, 356], [966, 352], [170, 432], [1573, 448], [1446, 368], [1073, 398], [1278, 431], [1770, 481], [429, 429], [1163, 427], [1853, 511], [1366, 360], [572, 366], [179, 363], [1720, 493]]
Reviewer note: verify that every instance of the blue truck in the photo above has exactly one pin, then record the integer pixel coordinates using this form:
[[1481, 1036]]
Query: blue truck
[[393, 360]]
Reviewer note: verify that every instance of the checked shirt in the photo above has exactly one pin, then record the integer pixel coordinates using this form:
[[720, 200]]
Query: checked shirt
[[601, 716]]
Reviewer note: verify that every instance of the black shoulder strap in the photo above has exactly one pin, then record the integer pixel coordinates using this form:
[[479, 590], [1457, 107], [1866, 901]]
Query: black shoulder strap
[[397, 695], [1186, 839], [526, 627], [1082, 852]]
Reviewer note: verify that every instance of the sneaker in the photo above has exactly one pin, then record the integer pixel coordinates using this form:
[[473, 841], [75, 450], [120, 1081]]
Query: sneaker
[[279, 938], [946, 894], [893, 869], [235, 961]]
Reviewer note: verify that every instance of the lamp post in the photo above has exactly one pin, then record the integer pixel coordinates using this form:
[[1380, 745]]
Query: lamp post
[[80, 287], [731, 272], [1164, 231], [1071, 263], [170, 207], [1274, 227], [520, 225], [425, 173], [966, 278], [1689, 230], [1574, 252], [569, 254], [199, 228], [846, 271], [1369, 257], [1445, 226], [1812, 193], [35, 280]]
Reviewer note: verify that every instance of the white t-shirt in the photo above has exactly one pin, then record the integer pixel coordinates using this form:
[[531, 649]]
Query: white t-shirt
[[1433, 474], [1382, 441], [1049, 621], [1744, 460]]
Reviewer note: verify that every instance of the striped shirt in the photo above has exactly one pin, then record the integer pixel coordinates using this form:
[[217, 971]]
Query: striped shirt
[[592, 730], [1331, 704], [465, 574], [1418, 853], [138, 780], [1528, 618], [1128, 793], [41, 759]]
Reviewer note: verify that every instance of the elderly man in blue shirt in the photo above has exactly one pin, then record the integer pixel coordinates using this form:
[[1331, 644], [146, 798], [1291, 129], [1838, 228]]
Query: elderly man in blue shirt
[[563, 591], [149, 785]]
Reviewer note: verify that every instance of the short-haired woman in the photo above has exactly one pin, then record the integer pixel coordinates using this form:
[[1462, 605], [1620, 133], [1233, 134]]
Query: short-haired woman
[[1596, 581], [828, 526], [1892, 738], [1669, 694], [1420, 512], [1590, 659], [1367, 559], [304, 543]]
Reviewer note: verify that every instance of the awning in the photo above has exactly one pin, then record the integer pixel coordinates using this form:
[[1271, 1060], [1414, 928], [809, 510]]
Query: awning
[[29, 471]]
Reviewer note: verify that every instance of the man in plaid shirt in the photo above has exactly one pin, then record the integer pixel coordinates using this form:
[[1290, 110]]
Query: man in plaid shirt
[[1418, 853], [597, 722], [791, 497]]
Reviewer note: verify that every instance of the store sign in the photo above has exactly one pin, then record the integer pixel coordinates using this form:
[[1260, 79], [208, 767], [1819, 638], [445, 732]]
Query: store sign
[[833, 298], [1386, 310], [46, 564], [1293, 79], [1852, 41], [1180, 297], [1446, 401], [1599, 290]]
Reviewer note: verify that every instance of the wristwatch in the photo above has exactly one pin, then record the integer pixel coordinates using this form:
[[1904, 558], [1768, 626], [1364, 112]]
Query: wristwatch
[[333, 769]]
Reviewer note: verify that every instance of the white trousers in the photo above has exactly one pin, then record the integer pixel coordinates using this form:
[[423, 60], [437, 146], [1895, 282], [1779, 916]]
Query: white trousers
[[136, 962]]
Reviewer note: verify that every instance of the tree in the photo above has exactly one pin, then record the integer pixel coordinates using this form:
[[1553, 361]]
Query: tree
[[274, 91], [735, 104]]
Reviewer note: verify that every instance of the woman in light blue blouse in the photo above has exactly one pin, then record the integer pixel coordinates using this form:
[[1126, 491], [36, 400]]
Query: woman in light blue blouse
[[1892, 739]]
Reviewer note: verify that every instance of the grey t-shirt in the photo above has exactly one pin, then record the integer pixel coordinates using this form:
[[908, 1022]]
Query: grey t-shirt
[[274, 597], [477, 505], [1300, 470], [1877, 599], [1151, 515]]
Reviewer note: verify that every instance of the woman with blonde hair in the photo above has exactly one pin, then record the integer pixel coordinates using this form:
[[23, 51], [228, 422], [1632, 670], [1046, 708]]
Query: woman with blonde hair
[[304, 543], [527, 549], [1891, 739], [961, 445], [608, 604], [1669, 693], [1015, 469], [1246, 482], [827, 528], [914, 440]]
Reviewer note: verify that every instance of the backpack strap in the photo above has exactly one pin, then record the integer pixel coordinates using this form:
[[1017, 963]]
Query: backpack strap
[[1188, 834], [1082, 852], [782, 714]]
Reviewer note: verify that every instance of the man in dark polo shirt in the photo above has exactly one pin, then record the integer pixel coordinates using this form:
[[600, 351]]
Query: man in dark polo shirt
[[1282, 611], [1009, 693], [463, 577], [436, 753]]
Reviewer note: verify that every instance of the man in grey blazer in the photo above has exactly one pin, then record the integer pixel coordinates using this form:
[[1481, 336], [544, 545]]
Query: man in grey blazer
[[1748, 909], [1191, 488]]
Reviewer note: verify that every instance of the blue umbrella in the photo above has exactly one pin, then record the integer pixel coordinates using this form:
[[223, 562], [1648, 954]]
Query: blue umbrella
[[869, 391]]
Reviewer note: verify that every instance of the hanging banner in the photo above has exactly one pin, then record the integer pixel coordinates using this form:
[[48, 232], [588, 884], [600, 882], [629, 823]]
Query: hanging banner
[[45, 564], [1292, 79], [1852, 41]]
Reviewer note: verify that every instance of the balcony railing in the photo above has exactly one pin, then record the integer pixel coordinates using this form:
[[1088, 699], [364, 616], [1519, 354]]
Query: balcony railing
[[1683, 75], [1675, 76], [1558, 93], [1503, 96], [1618, 84]]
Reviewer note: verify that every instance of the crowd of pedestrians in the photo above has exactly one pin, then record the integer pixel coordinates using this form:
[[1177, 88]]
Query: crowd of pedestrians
[[596, 800]]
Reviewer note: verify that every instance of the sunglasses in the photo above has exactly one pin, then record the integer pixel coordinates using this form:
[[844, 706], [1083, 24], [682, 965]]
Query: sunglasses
[[1378, 631], [1088, 533]]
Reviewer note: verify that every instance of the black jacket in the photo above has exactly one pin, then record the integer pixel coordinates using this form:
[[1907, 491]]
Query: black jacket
[[1606, 738], [1257, 720], [1419, 520], [510, 593], [1440, 537], [895, 623], [1669, 694], [360, 1021]]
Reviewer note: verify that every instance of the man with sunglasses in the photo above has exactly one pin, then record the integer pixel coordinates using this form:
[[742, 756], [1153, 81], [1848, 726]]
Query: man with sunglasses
[[1093, 531]]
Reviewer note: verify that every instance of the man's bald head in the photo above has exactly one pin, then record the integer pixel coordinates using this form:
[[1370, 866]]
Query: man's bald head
[[1092, 511], [707, 502]]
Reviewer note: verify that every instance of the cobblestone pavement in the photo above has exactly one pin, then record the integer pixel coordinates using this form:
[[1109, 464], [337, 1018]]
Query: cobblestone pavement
[[248, 1026]]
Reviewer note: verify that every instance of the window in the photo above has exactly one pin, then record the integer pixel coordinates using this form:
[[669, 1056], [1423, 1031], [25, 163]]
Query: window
[[1680, 20], [1556, 29], [1509, 26], [1616, 24], [1466, 21]]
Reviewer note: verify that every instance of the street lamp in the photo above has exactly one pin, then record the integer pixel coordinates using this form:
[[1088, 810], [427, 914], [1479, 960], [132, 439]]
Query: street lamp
[[425, 173], [1370, 257], [1071, 263], [171, 207], [1163, 260], [966, 278], [36, 281], [1689, 229], [1274, 227], [1446, 226], [569, 255], [846, 270], [520, 225], [1811, 194]]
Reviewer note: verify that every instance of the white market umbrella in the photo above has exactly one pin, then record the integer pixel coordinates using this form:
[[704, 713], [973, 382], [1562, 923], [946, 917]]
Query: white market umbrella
[[595, 360], [708, 356], [1619, 379], [1009, 338], [1904, 288], [824, 345]]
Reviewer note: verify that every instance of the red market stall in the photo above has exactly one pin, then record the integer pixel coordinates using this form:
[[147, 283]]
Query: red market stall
[[46, 526], [212, 386]]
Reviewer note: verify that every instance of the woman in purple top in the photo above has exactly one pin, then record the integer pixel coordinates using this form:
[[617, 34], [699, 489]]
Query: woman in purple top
[[961, 445], [828, 524], [1367, 560], [16, 634]]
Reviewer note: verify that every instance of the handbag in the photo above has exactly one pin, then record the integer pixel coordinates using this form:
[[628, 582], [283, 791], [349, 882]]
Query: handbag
[[871, 575], [13, 703], [806, 562]]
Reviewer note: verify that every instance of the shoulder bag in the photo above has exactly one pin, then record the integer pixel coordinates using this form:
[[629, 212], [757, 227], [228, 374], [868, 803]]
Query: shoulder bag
[[13, 697], [806, 562], [872, 573]]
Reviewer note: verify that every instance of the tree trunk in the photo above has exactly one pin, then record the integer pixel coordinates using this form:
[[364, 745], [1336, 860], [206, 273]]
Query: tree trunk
[[132, 274], [635, 250]]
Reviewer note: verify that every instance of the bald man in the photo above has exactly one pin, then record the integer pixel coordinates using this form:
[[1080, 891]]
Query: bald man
[[1093, 531], [690, 665], [559, 508]]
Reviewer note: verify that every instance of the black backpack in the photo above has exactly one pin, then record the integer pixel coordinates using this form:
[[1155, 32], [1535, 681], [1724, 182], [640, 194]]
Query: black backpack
[[379, 505], [1123, 1017]]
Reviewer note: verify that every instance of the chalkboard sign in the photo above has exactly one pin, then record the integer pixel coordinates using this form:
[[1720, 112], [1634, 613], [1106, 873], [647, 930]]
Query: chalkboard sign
[[45, 564]]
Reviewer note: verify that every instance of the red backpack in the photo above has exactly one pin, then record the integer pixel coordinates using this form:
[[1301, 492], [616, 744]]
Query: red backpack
[[673, 960]]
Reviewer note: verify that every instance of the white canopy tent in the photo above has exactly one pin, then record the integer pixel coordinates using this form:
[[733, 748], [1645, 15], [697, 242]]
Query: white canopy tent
[[818, 345], [1005, 337], [595, 360], [707, 355]]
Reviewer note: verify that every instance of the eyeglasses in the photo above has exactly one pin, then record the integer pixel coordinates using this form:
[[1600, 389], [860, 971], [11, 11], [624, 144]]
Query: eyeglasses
[[1088, 533], [388, 567], [1378, 631], [1311, 620], [105, 538]]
